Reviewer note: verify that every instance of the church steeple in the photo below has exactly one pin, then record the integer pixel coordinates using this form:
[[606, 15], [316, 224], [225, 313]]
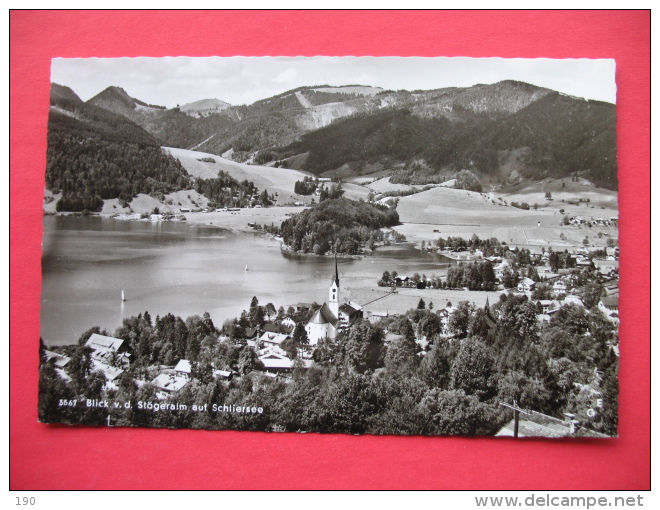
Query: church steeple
[[336, 278], [333, 294]]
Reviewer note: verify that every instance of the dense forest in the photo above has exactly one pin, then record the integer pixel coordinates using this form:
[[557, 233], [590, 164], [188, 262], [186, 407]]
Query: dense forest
[[360, 383], [94, 155], [337, 225]]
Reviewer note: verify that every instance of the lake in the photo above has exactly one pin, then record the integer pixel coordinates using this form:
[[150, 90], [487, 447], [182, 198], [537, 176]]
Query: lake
[[174, 267]]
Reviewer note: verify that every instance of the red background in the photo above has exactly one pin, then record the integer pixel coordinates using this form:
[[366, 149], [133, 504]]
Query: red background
[[60, 457]]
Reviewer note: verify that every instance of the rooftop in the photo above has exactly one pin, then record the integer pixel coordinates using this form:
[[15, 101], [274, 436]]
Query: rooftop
[[102, 342]]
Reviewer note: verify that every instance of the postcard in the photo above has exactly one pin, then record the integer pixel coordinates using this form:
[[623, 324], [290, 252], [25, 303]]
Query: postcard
[[359, 245]]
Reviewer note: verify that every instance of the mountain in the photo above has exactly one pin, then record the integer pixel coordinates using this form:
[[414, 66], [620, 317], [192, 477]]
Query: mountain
[[500, 132], [60, 94], [117, 100], [534, 133], [95, 154], [204, 107]]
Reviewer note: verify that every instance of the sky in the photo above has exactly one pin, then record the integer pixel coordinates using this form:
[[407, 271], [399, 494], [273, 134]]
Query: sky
[[172, 81]]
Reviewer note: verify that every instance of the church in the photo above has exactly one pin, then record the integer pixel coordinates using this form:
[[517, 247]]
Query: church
[[330, 318]]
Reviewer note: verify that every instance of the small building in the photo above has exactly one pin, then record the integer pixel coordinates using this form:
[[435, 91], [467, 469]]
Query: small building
[[543, 320], [572, 299], [109, 350], [547, 305], [606, 267], [376, 316], [526, 285], [223, 374], [559, 288], [348, 314], [58, 360], [609, 304], [111, 373], [274, 362], [169, 383], [183, 368], [274, 339]]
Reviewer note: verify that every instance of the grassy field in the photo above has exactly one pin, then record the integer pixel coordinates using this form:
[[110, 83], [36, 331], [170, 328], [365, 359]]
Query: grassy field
[[602, 202], [378, 299], [275, 180], [280, 181], [462, 213]]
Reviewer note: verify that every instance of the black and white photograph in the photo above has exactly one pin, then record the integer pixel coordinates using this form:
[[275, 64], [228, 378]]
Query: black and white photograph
[[356, 245]]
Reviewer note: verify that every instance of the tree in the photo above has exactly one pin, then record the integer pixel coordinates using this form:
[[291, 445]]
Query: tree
[[472, 370], [527, 392], [364, 349], [436, 365], [459, 319], [421, 305], [80, 365], [401, 357], [591, 294], [429, 325], [300, 334], [270, 311], [257, 319], [455, 413], [248, 361]]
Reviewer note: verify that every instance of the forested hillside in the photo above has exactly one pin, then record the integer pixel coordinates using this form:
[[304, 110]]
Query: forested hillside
[[556, 136], [340, 225], [94, 154]]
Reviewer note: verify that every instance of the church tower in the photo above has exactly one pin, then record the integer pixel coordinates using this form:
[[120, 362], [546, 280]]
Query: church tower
[[333, 295]]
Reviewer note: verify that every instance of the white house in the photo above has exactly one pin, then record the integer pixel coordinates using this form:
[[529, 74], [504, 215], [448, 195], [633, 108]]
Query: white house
[[183, 368], [269, 338], [558, 288], [607, 267], [108, 350], [526, 285]]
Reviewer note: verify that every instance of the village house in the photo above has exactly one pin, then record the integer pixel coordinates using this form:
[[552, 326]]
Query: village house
[[609, 305], [349, 313], [168, 383], [444, 314], [573, 299], [109, 350], [606, 267], [559, 288], [290, 322], [543, 320], [183, 368], [274, 339], [526, 285], [549, 305], [58, 360], [377, 316]]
